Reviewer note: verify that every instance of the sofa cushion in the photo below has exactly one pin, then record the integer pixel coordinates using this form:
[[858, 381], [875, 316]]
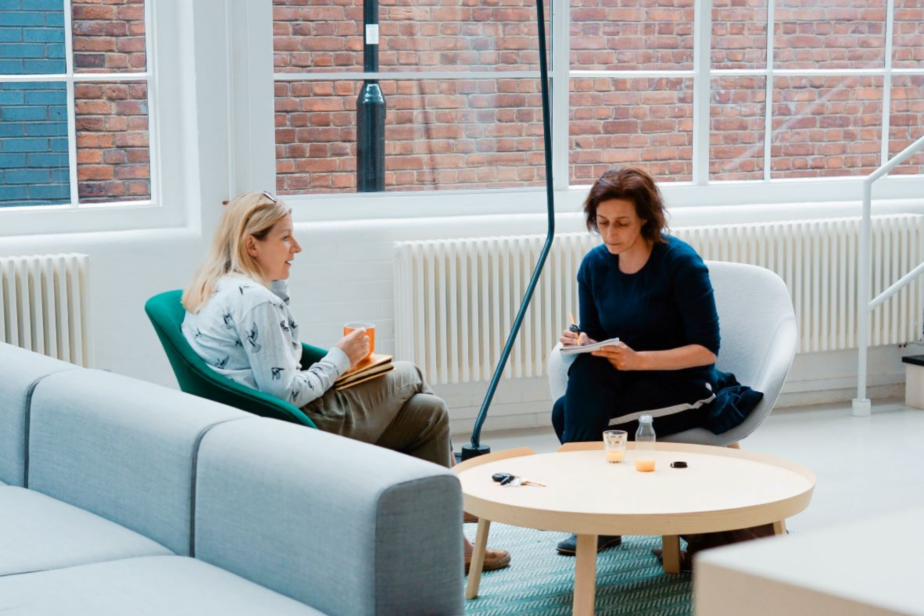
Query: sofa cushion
[[155, 586], [21, 370], [120, 448], [38, 533], [348, 528]]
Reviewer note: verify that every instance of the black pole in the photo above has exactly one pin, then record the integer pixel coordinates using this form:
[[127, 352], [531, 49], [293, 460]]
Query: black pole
[[476, 448], [370, 110]]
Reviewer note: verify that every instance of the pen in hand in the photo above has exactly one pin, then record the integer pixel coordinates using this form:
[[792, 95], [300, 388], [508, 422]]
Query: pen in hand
[[574, 327]]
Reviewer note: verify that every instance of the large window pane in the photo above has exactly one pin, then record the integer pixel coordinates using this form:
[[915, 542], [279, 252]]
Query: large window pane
[[829, 34], [826, 126], [908, 34], [33, 144], [631, 34], [32, 37], [906, 123], [646, 123], [450, 35], [739, 34], [108, 36], [737, 121], [113, 163], [449, 134]]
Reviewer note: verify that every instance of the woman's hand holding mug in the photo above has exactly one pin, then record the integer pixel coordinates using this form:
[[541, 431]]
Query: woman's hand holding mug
[[356, 345]]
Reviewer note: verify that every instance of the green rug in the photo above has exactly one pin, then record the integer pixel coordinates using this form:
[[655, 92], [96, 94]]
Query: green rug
[[540, 582]]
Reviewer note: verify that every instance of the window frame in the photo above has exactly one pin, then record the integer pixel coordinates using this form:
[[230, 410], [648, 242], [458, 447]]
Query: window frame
[[163, 75], [701, 191]]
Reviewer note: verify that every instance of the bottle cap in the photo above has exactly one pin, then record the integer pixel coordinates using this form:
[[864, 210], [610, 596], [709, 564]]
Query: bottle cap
[[645, 419]]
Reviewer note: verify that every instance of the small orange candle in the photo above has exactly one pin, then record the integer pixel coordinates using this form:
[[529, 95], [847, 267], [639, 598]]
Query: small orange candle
[[615, 456], [644, 465]]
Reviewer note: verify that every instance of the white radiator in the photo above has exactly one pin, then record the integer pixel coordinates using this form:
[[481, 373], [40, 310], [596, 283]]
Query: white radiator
[[44, 305], [455, 300]]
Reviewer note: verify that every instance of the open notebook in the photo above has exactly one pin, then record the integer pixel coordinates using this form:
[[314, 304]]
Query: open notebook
[[372, 367], [588, 348]]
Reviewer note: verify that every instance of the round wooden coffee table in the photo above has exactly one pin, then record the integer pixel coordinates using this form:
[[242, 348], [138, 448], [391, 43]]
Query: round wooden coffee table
[[722, 489]]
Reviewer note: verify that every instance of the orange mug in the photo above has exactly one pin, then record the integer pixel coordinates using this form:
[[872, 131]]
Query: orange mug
[[370, 331]]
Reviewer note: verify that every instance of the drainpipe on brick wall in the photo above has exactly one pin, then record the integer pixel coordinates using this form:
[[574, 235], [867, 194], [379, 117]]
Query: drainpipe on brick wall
[[370, 110]]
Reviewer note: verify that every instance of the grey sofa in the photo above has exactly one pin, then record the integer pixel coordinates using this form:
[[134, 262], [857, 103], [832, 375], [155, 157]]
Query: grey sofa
[[121, 497]]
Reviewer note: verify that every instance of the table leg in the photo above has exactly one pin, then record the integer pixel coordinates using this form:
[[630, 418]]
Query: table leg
[[474, 571], [670, 544], [779, 528], [585, 575]]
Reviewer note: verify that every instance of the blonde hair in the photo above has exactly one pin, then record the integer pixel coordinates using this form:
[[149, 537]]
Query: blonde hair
[[252, 213]]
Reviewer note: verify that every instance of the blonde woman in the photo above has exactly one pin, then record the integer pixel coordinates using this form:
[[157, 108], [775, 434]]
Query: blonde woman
[[239, 322]]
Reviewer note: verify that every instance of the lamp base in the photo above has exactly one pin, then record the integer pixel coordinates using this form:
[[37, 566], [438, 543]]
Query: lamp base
[[469, 451]]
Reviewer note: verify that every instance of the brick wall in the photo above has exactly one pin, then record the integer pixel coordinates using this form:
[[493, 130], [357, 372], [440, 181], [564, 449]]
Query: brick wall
[[108, 36], [632, 34], [739, 34], [445, 35], [646, 123], [826, 126], [33, 144], [438, 135], [829, 34], [32, 37], [906, 124], [113, 161], [736, 121], [908, 37]]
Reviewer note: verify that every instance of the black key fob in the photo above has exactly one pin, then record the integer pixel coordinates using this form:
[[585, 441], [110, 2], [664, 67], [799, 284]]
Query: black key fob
[[678, 464], [500, 477], [507, 479]]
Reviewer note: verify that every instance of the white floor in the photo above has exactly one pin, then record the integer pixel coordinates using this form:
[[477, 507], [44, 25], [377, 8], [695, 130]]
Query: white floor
[[865, 465]]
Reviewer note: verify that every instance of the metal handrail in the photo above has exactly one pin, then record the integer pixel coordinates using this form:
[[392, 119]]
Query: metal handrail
[[861, 404]]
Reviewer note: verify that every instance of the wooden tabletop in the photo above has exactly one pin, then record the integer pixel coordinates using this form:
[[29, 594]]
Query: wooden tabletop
[[722, 489]]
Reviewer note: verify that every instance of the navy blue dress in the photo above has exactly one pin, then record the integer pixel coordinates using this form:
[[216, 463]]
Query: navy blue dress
[[667, 304]]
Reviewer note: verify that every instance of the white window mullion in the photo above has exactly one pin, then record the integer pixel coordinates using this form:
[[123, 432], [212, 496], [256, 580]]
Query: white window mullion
[[150, 78], [887, 84], [702, 62], [768, 97], [561, 89], [71, 103]]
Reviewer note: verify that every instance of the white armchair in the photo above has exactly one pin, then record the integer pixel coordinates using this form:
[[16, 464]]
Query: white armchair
[[759, 341]]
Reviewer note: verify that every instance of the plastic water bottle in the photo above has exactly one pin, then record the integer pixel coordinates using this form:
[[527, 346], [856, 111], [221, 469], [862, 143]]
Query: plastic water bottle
[[645, 436]]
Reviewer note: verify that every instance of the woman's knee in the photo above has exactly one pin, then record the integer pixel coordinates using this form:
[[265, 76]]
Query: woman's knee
[[408, 374], [431, 408]]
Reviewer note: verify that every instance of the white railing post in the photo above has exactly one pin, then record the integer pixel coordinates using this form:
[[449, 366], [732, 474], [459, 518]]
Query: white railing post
[[861, 404], [865, 302]]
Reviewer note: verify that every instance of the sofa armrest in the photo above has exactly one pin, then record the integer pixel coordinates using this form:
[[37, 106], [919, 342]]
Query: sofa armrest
[[347, 528]]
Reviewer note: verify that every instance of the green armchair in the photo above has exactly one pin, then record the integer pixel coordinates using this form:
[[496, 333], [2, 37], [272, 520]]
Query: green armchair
[[197, 378]]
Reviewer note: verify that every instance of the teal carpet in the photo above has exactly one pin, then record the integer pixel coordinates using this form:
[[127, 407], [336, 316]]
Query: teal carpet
[[540, 582]]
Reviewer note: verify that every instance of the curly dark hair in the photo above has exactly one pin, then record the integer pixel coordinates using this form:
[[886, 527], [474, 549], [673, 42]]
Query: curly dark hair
[[633, 185]]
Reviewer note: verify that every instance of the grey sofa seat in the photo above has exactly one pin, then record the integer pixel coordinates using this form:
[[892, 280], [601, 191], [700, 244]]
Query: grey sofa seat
[[38, 533], [21, 370], [155, 586]]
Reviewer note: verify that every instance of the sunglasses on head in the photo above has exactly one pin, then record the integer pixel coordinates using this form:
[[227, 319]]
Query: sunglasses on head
[[270, 197]]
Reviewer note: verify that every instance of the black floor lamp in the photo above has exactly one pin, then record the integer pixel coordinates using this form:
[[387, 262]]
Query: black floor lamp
[[475, 448]]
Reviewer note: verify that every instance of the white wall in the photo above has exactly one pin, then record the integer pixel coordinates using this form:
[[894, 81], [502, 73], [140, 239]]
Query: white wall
[[345, 272]]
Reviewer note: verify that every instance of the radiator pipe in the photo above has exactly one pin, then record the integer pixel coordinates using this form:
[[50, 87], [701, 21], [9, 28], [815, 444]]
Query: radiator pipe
[[476, 448]]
